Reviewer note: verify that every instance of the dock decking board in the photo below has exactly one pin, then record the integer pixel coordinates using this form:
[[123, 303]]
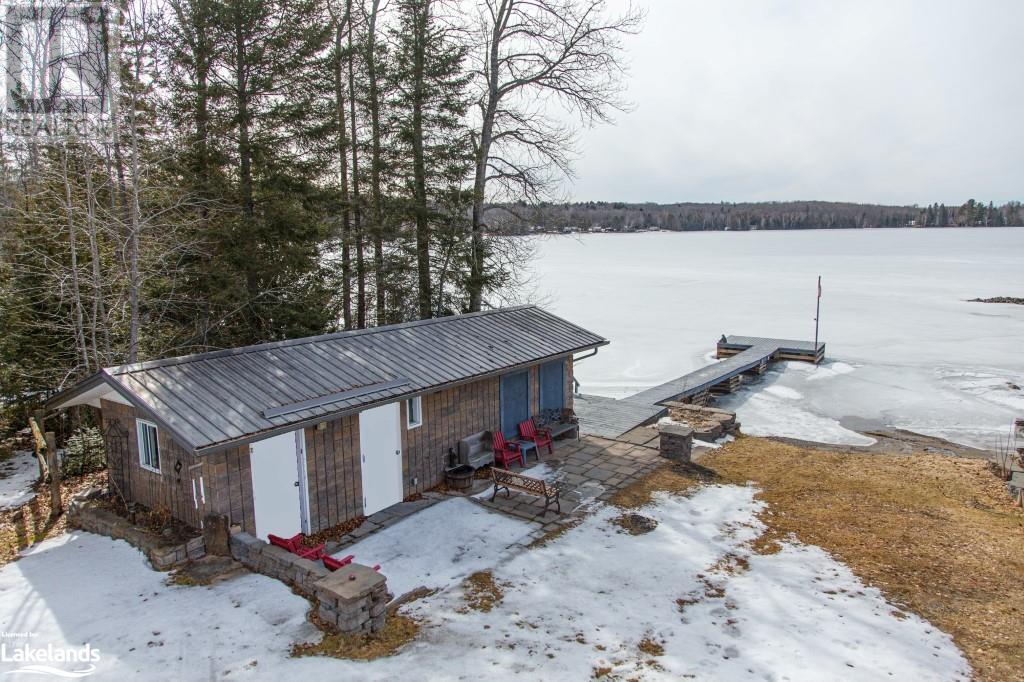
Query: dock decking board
[[610, 417]]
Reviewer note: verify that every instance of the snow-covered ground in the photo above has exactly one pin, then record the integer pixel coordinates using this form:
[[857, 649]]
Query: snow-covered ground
[[585, 601], [441, 545], [906, 348], [17, 476]]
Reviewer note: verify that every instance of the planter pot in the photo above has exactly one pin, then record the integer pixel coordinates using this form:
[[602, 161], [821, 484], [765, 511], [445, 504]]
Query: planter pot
[[459, 478]]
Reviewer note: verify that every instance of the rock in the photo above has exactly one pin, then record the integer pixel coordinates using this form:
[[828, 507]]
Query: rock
[[636, 524], [217, 535]]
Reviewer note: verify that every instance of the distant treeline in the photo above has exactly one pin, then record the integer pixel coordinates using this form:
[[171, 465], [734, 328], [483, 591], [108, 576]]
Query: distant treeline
[[788, 215]]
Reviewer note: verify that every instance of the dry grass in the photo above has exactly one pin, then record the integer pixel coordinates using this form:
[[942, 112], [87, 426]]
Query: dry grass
[[398, 631], [482, 591], [555, 533], [650, 647], [333, 533], [635, 524], [938, 534], [31, 523], [673, 478]]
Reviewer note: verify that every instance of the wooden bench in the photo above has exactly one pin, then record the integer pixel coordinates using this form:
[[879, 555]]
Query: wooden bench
[[510, 480], [558, 421], [556, 429]]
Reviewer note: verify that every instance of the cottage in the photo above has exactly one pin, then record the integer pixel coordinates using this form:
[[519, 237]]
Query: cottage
[[304, 434]]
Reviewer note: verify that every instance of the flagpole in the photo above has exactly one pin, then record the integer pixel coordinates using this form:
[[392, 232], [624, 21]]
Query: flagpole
[[817, 314]]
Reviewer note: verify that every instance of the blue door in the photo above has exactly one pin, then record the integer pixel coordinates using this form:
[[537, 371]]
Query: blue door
[[515, 401], [552, 385]]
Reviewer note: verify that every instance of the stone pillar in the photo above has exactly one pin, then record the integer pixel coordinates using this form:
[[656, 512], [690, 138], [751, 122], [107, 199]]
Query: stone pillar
[[354, 598], [676, 441]]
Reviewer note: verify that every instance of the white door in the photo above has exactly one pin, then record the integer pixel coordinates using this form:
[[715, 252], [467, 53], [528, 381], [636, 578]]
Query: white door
[[277, 484], [381, 446]]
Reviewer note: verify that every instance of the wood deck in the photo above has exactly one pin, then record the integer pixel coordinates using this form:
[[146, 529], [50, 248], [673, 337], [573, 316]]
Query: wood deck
[[610, 417]]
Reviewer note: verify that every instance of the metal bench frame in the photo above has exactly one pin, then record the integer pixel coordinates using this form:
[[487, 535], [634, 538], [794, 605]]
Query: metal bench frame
[[510, 480]]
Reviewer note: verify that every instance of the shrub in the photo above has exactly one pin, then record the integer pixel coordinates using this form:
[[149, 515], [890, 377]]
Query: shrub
[[84, 452]]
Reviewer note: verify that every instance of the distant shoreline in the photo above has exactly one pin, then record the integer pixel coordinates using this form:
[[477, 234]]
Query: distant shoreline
[[998, 299], [653, 230]]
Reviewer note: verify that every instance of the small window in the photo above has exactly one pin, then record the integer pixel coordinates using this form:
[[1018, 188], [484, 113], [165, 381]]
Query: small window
[[414, 411], [149, 445]]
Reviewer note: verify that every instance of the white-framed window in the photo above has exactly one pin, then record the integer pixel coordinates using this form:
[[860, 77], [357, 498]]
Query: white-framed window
[[414, 412], [149, 445]]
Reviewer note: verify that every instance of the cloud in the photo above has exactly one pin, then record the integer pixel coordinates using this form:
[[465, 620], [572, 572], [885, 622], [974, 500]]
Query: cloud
[[873, 100]]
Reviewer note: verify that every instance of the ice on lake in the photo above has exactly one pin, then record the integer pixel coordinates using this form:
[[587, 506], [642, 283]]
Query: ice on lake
[[906, 348]]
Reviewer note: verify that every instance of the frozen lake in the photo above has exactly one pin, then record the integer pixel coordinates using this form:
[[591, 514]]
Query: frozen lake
[[905, 348]]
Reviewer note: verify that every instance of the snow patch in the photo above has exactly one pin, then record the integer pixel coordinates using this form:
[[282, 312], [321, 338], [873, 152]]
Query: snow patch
[[439, 545], [764, 414], [784, 392], [583, 601], [17, 476]]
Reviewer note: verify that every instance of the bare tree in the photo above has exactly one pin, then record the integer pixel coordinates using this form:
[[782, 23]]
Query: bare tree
[[534, 53]]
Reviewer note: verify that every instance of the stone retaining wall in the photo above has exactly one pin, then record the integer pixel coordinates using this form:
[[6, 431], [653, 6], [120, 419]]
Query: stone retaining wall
[[94, 519], [277, 562], [353, 598]]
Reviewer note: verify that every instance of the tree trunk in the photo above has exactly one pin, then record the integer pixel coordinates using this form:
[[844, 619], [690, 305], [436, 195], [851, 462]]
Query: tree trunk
[[419, 165], [346, 212], [245, 161], [376, 199], [78, 317], [483, 152], [357, 211]]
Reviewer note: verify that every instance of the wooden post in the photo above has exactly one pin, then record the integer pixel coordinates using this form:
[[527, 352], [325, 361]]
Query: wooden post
[[37, 436], [52, 461]]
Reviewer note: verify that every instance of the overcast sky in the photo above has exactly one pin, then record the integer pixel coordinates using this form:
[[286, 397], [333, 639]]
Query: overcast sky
[[888, 101]]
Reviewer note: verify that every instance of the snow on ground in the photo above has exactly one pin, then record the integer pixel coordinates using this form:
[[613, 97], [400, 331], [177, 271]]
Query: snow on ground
[[17, 476], [769, 408], [584, 601], [894, 309], [440, 545]]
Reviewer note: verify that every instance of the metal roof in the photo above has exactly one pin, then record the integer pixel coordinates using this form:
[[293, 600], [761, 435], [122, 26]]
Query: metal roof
[[212, 401]]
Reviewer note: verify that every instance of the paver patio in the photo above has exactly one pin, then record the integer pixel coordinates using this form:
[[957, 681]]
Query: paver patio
[[592, 468], [588, 469]]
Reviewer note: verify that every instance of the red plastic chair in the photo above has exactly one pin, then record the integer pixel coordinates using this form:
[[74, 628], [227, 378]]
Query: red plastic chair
[[295, 546], [332, 564], [506, 453], [528, 430]]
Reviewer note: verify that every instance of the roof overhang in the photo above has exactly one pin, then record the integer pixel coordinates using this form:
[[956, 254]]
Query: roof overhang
[[105, 386]]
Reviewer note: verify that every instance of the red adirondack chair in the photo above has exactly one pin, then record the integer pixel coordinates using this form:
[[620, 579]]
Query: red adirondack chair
[[295, 546], [312, 553], [285, 543], [332, 564], [506, 453], [528, 430]]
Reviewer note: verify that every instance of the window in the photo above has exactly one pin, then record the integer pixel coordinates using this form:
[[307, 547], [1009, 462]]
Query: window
[[149, 446], [414, 412]]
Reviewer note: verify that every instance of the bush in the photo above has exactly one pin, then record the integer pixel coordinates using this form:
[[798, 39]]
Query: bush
[[84, 452]]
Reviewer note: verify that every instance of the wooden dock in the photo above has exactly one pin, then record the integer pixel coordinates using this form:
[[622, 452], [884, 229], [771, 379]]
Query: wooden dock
[[743, 355]]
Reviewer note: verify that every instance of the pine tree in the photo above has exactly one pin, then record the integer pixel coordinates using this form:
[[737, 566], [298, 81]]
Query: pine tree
[[429, 104]]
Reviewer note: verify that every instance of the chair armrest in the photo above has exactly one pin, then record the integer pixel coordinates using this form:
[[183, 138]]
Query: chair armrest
[[312, 553]]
